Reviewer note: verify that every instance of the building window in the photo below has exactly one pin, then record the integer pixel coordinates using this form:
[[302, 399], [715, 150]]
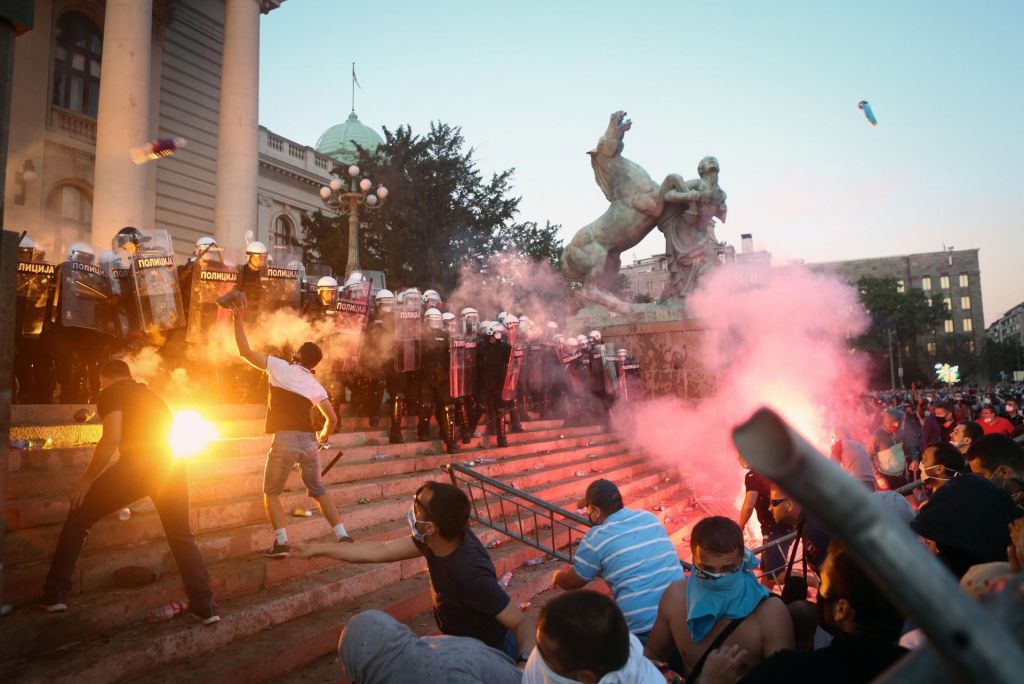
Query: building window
[[926, 283], [964, 280], [970, 346], [901, 287], [944, 282], [948, 326], [931, 348], [948, 303], [69, 208], [284, 231], [965, 302], [968, 325], [76, 64]]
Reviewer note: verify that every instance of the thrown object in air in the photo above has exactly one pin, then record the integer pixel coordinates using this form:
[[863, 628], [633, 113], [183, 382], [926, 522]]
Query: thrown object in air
[[865, 107], [156, 149]]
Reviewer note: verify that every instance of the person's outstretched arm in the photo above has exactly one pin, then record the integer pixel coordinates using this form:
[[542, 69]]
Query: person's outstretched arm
[[255, 359], [361, 552]]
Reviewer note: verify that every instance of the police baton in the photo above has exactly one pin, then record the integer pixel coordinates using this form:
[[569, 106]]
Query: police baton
[[333, 461]]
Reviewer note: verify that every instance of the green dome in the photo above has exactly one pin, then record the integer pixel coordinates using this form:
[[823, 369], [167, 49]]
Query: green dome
[[340, 141]]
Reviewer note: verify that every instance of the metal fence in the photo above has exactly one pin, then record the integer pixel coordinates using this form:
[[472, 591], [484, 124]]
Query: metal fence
[[519, 515]]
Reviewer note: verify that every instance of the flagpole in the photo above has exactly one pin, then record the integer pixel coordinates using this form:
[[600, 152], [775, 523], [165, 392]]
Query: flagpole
[[353, 87]]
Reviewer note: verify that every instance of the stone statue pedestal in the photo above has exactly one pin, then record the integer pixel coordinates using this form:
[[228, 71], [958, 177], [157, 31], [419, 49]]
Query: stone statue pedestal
[[667, 342]]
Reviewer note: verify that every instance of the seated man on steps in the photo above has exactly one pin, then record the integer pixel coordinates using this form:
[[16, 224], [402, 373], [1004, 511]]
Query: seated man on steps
[[721, 603], [293, 394], [136, 425], [630, 550], [468, 601]]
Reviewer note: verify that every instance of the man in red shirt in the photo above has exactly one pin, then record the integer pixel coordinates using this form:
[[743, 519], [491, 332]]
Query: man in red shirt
[[991, 424]]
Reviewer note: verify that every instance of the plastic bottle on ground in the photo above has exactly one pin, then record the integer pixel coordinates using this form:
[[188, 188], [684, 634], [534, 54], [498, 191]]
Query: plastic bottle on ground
[[124, 514], [169, 611], [506, 579]]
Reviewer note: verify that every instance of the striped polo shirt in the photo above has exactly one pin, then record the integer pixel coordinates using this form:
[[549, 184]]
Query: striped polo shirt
[[632, 553]]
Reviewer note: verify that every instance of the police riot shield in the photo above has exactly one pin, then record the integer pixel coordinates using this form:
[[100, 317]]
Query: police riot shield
[[212, 276], [37, 276], [408, 347], [631, 378], [462, 366], [82, 297], [515, 366], [156, 294], [533, 367], [596, 368], [612, 376], [352, 315], [281, 280]]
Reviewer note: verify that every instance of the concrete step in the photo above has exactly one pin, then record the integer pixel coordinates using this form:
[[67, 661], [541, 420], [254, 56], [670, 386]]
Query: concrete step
[[238, 525], [256, 443], [57, 414], [103, 609]]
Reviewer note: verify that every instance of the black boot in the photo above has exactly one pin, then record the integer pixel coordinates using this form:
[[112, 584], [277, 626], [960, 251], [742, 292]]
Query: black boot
[[447, 428], [500, 425], [397, 411], [423, 422], [516, 426]]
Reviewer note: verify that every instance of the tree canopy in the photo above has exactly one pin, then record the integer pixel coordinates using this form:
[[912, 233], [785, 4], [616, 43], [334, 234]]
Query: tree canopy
[[440, 212], [910, 316]]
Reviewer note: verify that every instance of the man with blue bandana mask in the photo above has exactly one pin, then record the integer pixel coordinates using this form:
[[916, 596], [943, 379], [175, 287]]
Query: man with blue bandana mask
[[720, 603]]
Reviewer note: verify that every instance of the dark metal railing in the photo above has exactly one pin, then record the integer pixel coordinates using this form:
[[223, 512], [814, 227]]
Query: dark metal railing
[[519, 515]]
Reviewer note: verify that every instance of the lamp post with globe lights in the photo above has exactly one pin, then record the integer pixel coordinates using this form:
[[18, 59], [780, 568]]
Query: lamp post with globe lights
[[347, 196]]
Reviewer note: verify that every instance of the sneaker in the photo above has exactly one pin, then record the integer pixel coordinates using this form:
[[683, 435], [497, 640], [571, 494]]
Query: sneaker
[[210, 617], [278, 551], [53, 604]]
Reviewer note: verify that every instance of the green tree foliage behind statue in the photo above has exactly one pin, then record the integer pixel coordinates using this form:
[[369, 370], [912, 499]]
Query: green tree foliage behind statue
[[912, 319], [440, 212]]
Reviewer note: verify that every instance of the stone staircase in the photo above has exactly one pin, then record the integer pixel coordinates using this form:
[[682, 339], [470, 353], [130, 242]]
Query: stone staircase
[[280, 617]]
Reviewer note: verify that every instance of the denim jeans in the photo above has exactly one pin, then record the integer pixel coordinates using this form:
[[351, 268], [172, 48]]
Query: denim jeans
[[287, 449], [115, 488]]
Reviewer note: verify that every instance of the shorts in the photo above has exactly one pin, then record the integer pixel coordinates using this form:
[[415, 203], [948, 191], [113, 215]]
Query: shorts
[[287, 449]]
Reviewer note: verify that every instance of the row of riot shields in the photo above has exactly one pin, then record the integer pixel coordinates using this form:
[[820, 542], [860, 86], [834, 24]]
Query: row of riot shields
[[136, 292]]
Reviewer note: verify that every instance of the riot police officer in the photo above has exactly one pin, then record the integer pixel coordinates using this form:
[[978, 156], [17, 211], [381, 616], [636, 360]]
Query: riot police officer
[[33, 367], [326, 301], [601, 396], [512, 403], [435, 395], [376, 362], [492, 366], [462, 371]]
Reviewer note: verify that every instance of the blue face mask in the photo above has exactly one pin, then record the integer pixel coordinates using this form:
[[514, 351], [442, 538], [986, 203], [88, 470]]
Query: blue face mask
[[411, 518], [717, 595]]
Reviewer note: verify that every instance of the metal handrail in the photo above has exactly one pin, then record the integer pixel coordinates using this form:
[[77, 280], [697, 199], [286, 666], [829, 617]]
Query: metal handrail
[[537, 510]]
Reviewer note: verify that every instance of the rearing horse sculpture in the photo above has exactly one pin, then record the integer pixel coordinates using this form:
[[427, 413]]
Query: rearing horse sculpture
[[637, 202]]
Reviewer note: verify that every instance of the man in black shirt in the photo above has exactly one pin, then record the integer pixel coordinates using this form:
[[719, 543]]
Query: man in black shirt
[[136, 423], [757, 499], [468, 601]]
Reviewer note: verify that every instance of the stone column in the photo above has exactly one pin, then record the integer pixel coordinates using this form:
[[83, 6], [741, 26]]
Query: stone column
[[238, 125], [119, 196]]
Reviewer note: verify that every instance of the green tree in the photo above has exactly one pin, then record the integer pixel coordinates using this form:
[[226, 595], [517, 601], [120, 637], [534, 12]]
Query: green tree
[[1003, 358], [909, 317], [440, 212]]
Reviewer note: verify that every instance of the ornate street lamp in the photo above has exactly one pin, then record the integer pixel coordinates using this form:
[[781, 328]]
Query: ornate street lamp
[[344, 198]]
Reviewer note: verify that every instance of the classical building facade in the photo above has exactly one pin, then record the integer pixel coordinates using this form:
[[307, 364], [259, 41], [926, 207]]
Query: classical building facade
[[648, 277], [1010, 326], [94, 79], [953, 275]]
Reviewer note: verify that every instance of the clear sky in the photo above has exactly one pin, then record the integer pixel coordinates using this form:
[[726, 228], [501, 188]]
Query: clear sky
[[771, 89]]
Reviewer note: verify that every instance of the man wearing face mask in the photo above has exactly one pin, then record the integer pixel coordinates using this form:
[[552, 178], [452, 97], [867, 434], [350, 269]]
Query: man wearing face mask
[[720, 604], [944, 414], [1001, 460], [964, 435], [965, 520], [993, 424], [629, 549], [468, 601], [1013, 413], [865, 625], [889, 455]]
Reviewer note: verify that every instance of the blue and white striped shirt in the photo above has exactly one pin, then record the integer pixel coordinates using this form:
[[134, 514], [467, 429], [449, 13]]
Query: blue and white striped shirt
[[632, 553]]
